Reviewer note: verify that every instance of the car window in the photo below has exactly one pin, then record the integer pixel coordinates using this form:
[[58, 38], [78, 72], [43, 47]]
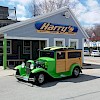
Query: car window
[[61, 55]]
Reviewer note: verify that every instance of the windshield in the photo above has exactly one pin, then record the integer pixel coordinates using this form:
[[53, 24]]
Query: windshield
[[47, 54]]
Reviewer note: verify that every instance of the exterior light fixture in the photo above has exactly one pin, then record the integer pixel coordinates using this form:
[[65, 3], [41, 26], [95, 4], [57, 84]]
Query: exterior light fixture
[[67, 14]]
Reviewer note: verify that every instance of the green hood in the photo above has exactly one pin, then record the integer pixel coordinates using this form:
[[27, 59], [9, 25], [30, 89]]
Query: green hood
[[46, 59]]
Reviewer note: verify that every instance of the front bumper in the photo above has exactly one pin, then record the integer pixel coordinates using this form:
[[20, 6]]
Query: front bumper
[[25, 78]]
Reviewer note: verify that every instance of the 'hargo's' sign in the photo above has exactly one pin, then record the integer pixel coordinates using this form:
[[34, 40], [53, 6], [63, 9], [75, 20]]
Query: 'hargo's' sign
[[55, 28]]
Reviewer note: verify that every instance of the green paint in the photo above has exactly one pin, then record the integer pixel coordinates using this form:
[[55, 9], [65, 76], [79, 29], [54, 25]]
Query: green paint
[[4, 53], [37, 70], [47, 65], [21, 70], [31, 61], [73, 66]]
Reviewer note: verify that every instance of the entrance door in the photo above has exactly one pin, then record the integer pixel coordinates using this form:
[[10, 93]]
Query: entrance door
[[35, 51], [60, 62]]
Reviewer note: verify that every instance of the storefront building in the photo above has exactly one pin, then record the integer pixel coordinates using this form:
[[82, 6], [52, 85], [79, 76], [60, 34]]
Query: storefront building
[[21, 41]]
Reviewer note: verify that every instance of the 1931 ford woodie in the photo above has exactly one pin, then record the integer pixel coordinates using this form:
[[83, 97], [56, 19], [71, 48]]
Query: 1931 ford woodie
[[56, 62]]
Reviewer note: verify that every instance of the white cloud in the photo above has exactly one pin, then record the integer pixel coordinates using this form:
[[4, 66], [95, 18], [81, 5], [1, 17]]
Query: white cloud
[[92, 4], [21, 11], [89, 13], [20, 8], [90, 17], [79, 9], [22, 18], [23, 2]]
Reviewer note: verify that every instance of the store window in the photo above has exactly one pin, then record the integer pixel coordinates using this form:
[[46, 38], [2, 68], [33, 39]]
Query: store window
[[26, 47], [8, 46], [73, 43], [59, 42]]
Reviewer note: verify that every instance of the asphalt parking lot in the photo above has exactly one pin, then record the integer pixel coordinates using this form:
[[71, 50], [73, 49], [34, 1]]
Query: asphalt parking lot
[[85, 87]]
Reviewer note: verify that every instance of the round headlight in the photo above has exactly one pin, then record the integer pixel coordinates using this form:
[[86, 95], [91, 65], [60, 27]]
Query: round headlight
[[31, 66], [23, 64]]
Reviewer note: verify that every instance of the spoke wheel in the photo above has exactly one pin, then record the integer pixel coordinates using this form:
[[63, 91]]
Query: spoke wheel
[[40, 79], [76, 72]]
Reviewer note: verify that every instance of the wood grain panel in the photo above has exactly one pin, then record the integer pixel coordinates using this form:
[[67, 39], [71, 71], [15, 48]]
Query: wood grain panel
[[60, 65]]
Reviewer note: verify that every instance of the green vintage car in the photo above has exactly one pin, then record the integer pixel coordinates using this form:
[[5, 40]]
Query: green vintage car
[[54, 62]]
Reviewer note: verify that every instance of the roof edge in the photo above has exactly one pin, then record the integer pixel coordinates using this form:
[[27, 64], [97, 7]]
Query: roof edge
[[31, 20]]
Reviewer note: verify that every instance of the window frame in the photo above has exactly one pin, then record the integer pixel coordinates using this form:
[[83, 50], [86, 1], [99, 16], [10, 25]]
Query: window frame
[[74, 40], [59, 39], [26, 47], [10, 46]]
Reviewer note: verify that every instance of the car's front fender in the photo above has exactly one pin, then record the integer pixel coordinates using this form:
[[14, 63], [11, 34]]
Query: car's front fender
[[21, 70], [18, 67]]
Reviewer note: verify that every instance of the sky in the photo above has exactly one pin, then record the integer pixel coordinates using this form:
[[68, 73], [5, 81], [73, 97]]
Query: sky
[[87, 11]]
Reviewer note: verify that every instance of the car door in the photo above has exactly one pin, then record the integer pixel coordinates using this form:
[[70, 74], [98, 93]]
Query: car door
[[60, 61]]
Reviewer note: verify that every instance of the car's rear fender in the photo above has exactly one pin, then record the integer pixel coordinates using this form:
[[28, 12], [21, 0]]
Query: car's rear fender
[[73, 66]]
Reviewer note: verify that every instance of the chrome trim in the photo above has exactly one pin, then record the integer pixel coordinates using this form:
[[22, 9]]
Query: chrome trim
[[18, 76], [32, 79], [22, 77]]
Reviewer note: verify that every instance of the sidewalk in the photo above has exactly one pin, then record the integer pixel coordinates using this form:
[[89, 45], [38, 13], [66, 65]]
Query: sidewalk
[[92, 60], [7, 72]]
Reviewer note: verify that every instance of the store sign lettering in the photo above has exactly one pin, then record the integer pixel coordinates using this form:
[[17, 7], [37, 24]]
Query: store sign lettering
[[55, 28]]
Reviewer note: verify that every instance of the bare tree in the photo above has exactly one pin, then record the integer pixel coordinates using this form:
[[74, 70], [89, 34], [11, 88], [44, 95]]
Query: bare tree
[[97, 30], [40, 7]]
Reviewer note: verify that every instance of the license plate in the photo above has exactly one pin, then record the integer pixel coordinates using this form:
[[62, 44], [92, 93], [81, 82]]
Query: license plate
[[25, 78]]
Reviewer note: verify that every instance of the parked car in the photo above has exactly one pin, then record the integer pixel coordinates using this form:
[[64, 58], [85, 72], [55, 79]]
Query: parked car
[[54, 62], [86, 53], [95, 53]]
